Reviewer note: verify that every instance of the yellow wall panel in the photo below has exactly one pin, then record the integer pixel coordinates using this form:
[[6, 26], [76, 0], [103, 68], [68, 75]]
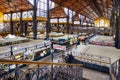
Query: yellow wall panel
[[29, 19], [102, 22], [1, 17]]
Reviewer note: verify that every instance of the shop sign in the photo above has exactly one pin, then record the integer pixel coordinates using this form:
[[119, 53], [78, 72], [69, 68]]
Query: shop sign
[[59, 47]]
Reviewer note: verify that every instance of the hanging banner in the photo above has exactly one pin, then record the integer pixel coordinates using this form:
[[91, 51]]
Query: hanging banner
[[59, 47]]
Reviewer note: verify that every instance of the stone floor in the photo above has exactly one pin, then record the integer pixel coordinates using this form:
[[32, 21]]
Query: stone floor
[[94, 75]]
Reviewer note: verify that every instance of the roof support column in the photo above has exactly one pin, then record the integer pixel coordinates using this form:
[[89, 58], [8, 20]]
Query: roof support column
[[58, 25], [72, 23], [35, 20], [21, 23], [80, 26], [116, 6], [87, 31], [26, 26], [91, 24], [11, 24], [68, 26], [117, 40], [48, 20]]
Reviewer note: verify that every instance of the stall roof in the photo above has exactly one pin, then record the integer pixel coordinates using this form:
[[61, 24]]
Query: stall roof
[[76, 17], [57, 12], [7, 6], [89, 8]]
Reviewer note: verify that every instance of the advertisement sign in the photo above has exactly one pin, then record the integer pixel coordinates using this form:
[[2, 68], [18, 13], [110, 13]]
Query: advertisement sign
[[59, 47]]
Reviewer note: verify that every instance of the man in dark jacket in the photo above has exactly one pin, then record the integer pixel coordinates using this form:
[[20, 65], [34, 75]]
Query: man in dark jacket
[[71, 58]]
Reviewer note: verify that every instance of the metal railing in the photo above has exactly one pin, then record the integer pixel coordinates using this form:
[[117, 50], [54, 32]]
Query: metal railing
[[115, 70], [42, 70]]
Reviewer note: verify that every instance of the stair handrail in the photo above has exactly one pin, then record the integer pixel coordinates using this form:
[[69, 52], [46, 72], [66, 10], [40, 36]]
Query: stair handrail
[[7, 61]]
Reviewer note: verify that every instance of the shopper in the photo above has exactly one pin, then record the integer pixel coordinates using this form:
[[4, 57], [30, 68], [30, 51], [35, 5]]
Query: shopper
[[71, 58], [67, 58], [27, 76]]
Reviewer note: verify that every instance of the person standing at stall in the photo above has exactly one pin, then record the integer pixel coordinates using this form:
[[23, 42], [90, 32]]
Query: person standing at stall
[[71, 58]]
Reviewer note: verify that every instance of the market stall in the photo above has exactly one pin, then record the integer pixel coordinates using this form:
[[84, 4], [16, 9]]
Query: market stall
[[12, 39], [102, 40], [67, 40]]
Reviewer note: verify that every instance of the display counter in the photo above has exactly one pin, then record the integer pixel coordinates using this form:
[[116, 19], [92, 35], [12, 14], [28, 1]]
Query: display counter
[[102, 40], [10, 39], [18, 51], [33, 53], [67, 40], [55, 34]]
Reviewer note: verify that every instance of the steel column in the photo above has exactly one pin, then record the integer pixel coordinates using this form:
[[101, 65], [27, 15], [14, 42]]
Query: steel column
[[68, 22], [72, 22], [35, 20], [48, 20], [11, 24], [117, 10], [58, 25], [118, 32], [80, 26], [26, 26], [21, 23]]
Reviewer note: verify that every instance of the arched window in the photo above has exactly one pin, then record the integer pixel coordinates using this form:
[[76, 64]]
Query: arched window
[[70, 13], [101, 22], [106, 24], [42, 7]]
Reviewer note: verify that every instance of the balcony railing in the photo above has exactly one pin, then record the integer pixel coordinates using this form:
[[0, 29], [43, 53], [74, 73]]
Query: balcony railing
[[40, 70]]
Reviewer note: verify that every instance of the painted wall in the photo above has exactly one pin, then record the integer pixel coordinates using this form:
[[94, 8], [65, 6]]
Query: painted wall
[[1, 22], [1, 17], [102, 22]]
